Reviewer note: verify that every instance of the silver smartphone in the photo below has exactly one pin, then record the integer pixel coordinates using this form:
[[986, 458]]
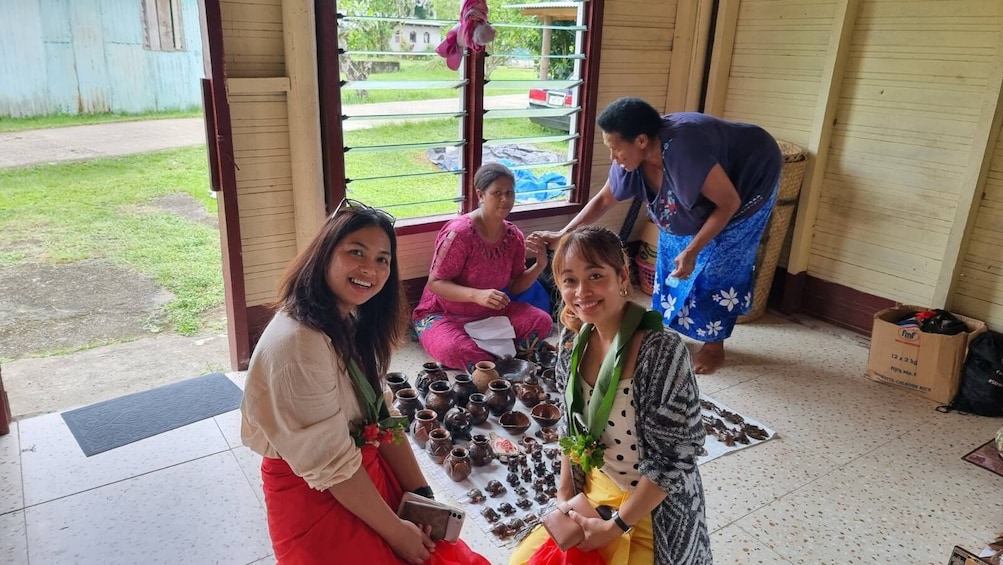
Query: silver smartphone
[[445, 521]]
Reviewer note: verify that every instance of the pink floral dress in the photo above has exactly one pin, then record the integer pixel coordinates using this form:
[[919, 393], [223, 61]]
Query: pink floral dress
[[463, 257]]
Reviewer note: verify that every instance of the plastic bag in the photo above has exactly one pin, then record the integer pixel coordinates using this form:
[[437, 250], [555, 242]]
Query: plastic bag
[[981, 390]]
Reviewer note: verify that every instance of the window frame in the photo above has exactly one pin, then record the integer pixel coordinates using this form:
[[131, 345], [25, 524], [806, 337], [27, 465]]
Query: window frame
[[163, 26], [333, 142]]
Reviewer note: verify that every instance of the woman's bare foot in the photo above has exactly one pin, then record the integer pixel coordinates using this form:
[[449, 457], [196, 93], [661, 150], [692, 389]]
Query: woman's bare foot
[[709, 358]]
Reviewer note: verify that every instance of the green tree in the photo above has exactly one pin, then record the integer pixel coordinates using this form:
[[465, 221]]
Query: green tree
[[372, 35], [362, 35]]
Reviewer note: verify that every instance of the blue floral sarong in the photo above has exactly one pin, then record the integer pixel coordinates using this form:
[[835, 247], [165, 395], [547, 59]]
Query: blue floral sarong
[[707, 305]]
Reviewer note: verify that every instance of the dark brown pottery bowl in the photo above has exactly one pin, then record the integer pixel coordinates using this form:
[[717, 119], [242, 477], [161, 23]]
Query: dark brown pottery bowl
[[545, 358], [514, 370], [515, 422], [546, 415]]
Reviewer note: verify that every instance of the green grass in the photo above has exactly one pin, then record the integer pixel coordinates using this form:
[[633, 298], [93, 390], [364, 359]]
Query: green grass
[[392, 192], [95, 209], [66, 120], [424, 70]]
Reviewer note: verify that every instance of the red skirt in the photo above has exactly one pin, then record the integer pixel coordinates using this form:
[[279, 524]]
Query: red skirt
[[310, 527]]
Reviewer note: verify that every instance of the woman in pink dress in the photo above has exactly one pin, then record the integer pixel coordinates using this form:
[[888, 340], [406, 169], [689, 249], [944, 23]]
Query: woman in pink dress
[[477, 257]]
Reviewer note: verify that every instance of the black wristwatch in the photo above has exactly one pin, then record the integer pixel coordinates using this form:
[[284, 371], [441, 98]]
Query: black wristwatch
[[623, 525]]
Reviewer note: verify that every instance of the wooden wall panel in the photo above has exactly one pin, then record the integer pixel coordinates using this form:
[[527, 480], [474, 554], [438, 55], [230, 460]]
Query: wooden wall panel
[[912, 91], [254, 40], [776, 65], [980, 285], [264, 185]]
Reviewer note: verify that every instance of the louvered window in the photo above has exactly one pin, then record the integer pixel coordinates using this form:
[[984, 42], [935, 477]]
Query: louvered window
[[404, 132]]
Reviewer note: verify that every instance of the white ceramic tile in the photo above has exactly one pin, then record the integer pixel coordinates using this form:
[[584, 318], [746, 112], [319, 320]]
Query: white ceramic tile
[[734, 546], [837, 416], [250, 464], [925, 466], [229, 426], [238, 378], [201, 511], [11, 491], [13, 539], [844, 518], [53, 464], [744, 481]]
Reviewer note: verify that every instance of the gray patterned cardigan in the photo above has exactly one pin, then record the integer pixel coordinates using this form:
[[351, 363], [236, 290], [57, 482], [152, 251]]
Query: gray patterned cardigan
[[669, 433]]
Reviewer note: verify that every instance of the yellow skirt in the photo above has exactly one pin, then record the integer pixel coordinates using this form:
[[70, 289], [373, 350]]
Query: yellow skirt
[[635, 548]]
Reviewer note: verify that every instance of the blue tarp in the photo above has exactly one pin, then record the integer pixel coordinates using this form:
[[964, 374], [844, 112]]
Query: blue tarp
[[528, 186]]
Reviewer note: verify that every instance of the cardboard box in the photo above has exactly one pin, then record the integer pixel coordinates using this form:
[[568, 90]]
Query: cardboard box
[[925, 363]]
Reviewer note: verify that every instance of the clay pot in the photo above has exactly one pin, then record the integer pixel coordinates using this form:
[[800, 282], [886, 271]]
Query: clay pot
[[440, 398], [530, 393], [397, 381], [440, 443], [457, 421], [424, 422], [463, 387], [429, 373], [457, 464], [484, 373], [500, 397], [478, 408], [480, 450], [407, 402]]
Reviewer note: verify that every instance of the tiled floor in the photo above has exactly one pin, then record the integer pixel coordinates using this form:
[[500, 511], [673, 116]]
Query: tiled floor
[[860, 473]]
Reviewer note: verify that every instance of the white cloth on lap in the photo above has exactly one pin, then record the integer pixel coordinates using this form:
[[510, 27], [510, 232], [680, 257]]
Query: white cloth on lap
[[494, 335]]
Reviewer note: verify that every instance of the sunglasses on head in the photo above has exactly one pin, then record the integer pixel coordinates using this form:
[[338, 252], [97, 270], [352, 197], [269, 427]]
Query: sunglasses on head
[[352, 204]]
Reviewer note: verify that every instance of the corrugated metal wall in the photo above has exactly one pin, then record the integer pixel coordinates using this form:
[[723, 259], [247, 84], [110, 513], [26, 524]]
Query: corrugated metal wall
[[85, 56]]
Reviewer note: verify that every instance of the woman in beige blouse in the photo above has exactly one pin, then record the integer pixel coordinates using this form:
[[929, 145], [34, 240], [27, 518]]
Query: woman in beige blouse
[[333, 467]]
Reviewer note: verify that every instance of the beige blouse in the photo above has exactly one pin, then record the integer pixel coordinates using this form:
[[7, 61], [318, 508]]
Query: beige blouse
[[298, 402]]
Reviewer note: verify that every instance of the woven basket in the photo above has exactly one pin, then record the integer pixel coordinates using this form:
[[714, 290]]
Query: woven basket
[[645, 276], [795, 163]]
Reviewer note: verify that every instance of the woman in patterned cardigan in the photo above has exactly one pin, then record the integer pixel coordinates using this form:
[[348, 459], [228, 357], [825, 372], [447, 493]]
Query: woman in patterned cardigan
[[641, 452]]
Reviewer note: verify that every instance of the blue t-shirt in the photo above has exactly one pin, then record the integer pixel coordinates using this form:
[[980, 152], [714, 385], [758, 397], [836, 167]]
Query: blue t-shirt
[[692, 143]]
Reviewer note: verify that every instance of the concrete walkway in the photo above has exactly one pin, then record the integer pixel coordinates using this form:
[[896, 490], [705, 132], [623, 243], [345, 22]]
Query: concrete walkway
[[78, 143]]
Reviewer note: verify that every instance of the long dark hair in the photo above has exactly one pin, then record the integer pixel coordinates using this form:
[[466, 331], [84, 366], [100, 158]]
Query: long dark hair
[[377, 327], [594, 244], [629, 117]]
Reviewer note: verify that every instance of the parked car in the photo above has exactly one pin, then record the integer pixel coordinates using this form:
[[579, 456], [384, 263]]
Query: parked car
[[551, 98]]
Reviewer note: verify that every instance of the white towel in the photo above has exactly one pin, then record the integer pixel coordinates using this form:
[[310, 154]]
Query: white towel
[[494, 335]]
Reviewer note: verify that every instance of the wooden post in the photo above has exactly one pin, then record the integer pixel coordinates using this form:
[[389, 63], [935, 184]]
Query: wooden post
[[545, 47], [683, 41], [303, 107], [4, 408], [987, 132], [821, 133], [720, 63]]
